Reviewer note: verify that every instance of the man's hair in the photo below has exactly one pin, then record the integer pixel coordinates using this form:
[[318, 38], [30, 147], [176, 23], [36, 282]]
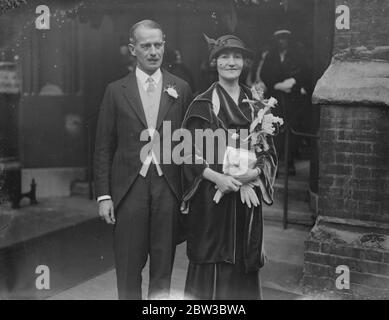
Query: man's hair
[[147, 24]]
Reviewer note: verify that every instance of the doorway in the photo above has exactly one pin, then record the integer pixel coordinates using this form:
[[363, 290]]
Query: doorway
[[186, 22]]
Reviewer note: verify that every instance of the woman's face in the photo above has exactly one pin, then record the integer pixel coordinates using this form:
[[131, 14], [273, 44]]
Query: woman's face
[[230, 64]]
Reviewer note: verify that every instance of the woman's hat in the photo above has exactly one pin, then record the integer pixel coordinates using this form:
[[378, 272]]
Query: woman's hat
[[226, 42]]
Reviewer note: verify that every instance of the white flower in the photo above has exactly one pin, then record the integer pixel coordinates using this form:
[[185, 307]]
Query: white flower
[[258, 119], [267, 127], [264, 122], [235, 136], [171, 91], [268, 121], [272, 102], [261, 114], [257, 93]]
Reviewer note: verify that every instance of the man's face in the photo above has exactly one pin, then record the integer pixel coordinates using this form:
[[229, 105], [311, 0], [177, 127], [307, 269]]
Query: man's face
[[148, 48]]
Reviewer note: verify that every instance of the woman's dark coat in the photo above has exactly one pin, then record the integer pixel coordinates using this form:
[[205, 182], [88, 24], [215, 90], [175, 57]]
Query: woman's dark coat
[[211, 234]]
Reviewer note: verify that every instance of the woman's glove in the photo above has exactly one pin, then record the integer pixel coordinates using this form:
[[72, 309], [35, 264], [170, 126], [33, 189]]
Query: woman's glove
[[248, 196]]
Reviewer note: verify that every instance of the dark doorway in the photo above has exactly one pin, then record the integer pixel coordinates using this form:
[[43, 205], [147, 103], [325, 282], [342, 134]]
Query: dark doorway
[[86, 48], [186, 22]]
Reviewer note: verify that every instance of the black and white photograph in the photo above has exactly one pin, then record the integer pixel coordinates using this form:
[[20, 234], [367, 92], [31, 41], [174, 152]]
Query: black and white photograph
[[194, 150]]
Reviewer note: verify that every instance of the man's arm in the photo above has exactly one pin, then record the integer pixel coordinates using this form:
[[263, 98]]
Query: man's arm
[[105, 144], [104, 197], [104, 149]]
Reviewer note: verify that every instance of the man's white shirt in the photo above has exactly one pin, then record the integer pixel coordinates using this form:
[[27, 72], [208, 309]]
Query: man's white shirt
[[142, 78]]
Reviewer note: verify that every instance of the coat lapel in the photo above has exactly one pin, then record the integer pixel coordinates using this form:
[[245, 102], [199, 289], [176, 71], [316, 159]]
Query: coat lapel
[[131, 92], [166, 100]]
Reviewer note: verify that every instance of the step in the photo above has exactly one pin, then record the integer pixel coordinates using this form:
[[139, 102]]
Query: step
[[284, 249], [64, 234], [297, 190], [283, 277], [298, 185], [80, 188], [302, 170], [276, 293], [299, 212]]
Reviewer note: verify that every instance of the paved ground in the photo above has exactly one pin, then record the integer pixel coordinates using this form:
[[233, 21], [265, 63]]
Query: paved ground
[[103, 287], [280, 277]]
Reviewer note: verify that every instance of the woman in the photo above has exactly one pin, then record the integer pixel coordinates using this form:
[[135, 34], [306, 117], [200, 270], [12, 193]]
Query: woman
[[224, 239]]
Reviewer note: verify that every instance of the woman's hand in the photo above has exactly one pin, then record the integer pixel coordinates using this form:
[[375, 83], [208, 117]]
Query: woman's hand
[[249, 176], [222, 182], [248, 196], [227, 184], [285, 86]]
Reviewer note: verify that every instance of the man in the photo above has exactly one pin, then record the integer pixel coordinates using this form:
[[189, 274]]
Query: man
[[141, 198], [284, 73]]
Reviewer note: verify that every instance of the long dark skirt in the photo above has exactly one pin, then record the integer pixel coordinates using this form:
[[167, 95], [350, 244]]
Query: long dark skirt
[[224, 281]]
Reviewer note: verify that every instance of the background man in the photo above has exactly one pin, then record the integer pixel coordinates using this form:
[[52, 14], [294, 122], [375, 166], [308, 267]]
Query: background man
[[140, 199]]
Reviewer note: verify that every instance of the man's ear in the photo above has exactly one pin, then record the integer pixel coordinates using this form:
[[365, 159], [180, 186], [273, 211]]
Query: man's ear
[[131, 48]]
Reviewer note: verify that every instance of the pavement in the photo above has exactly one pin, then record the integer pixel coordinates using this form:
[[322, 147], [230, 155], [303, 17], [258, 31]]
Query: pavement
[[279, 278], [51, 230]]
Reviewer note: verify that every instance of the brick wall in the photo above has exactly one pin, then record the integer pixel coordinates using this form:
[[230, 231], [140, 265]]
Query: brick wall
[[352, 228], [368, 25], [354, 162], [369, 270], [353, 203]]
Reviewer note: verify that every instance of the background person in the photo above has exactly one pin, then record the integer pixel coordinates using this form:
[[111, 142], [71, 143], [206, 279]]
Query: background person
[[285, 75]]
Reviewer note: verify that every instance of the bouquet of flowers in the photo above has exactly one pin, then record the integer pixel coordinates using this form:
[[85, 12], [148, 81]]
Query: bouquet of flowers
[[264, 124]]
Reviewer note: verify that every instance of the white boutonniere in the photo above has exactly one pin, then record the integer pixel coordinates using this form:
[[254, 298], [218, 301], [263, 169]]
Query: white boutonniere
[[171, 91]]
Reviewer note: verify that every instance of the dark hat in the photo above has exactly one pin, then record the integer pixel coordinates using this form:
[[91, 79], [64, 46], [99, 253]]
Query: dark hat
[[224, 43]]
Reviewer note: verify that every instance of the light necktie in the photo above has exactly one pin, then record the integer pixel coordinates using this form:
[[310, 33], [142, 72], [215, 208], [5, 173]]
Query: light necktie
[[151, 158], [151, 85]]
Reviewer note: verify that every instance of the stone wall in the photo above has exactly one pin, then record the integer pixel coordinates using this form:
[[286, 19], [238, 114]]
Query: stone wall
[[352, 229]]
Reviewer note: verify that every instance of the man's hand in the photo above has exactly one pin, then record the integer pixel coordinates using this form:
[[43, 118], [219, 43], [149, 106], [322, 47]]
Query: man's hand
[[248, 196], [106, 211]]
